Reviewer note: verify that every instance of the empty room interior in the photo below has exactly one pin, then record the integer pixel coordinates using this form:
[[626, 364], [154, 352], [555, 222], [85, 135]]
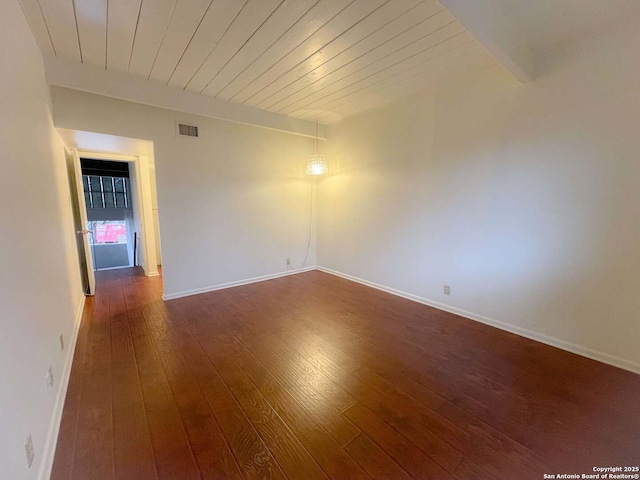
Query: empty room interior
[[320, 239]]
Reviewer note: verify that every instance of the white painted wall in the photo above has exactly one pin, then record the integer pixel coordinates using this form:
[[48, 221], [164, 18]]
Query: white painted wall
[[233, 204], [40, 288], [525, 199]]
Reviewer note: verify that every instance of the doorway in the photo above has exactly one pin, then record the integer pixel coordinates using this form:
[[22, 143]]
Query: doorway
[[109, 200], [135, 156], [124, 222]]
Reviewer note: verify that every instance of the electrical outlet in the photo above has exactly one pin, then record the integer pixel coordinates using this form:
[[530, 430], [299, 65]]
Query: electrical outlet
[[288, 262], [28, 447], [50, 378], [61, 342], [447, 290]]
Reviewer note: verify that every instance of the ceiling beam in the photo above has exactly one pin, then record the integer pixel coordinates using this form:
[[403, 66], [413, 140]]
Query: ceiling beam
[[486, 21], [87, 78]]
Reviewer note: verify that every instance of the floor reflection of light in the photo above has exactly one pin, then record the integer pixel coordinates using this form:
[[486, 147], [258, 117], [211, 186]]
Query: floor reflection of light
[[328, 375]]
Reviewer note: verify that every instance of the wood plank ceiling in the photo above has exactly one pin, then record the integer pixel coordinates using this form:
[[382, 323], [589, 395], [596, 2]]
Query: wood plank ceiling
[[324, 59]]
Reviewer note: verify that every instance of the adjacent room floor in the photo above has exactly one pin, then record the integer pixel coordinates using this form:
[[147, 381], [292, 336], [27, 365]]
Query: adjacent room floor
[[312, 376]]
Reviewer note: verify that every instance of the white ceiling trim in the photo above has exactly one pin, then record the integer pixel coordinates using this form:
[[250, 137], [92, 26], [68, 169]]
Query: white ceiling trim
[[488, 24], [92, 79]]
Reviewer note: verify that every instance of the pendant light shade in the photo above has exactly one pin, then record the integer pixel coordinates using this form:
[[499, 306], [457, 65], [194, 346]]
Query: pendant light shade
[[317, 164]]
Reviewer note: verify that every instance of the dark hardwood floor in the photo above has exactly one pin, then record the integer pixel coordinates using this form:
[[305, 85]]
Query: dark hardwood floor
[[312, 376]]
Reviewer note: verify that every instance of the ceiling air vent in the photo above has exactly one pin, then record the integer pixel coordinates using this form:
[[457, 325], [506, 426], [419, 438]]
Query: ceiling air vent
[[187, 130]]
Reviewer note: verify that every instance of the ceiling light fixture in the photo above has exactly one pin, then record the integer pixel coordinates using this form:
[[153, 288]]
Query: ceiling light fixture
[[317, 164]]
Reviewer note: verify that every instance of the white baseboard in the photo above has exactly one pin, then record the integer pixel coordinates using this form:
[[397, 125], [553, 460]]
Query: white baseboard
[[49, 450], [221, 286], [523, 332]]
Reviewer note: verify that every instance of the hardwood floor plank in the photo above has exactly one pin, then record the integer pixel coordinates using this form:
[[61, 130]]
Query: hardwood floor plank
[[333, 460], [290, 453], [485, 445], [313, 376], [496, 406], [403, 451], [323, 351], [179, 464], [465, 344], [437, 438], [424, 427], [94, 442], [301, 389], [329, 454], [133, 453], [519, 459], [209, 447], [467, 470], [433, 421], [125, 386], [168, 437], [294, 364], [206, 440], [375, 462], [253, 456]]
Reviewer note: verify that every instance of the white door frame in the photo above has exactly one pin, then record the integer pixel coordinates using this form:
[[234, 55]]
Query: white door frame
[[144, 205]]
